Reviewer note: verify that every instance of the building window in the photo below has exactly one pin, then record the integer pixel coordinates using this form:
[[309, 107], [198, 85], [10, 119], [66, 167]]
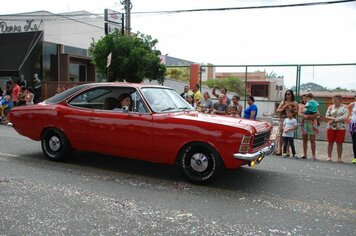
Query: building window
[[49, 61], [77, 72], [75, 51]]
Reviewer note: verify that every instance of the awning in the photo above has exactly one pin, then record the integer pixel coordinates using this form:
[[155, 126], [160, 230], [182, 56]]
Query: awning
[[15, 48]]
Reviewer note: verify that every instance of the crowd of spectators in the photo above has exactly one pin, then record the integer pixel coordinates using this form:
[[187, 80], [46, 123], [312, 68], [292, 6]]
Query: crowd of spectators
[[14, 93], [337, 116], [223, 105]]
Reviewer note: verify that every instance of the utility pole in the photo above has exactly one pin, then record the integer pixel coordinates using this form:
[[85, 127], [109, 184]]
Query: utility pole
[[128, 7]]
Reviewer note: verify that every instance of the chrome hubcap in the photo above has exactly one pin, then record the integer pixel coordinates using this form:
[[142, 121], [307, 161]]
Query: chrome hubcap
[[54, 143], [199, 162]]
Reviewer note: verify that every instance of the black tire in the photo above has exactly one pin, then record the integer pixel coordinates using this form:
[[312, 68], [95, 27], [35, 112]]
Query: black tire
[[199, 163], [55, 145]]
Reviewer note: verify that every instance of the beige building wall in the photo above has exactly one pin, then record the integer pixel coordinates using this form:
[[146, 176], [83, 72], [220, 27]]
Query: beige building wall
[[276, 89], [76, 29]]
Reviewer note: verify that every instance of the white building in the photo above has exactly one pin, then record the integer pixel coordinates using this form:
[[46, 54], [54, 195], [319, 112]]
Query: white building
[[54, 46]]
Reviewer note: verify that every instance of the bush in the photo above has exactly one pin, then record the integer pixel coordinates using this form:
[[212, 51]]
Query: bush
[[178, 73]]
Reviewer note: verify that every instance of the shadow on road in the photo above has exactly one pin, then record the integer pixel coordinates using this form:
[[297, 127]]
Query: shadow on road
[[124, 165], [243, 179]]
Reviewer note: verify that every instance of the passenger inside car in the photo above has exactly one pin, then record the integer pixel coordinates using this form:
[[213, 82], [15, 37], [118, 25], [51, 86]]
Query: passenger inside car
[[125, 102]]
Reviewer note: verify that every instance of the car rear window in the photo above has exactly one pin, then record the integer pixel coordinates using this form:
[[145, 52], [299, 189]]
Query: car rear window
[[60, 96]]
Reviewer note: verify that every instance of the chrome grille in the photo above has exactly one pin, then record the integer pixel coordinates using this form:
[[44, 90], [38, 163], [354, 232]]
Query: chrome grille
[[260, 139]]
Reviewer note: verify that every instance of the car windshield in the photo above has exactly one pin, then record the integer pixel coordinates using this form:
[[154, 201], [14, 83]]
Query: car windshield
[[165, 100]]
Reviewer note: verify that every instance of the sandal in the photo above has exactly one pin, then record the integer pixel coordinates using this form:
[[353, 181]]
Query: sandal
[[303, 157], [340, 161], [329, 159]]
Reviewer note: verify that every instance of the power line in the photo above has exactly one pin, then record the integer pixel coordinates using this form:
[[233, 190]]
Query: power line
[[247, 8], [56, 17], [186, 10]]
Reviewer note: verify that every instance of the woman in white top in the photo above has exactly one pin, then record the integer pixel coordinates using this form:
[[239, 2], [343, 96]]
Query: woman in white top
[[29, 96], [352, 128], [336, 115]]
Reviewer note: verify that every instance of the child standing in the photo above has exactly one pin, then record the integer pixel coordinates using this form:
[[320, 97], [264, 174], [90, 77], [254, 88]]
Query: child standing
[[289, 125]]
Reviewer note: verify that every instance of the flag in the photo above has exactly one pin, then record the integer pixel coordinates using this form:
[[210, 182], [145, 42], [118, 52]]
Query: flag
[[108, 60]]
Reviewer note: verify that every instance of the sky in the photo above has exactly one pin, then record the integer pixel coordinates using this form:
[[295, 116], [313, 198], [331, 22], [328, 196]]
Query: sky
[[299, 35]]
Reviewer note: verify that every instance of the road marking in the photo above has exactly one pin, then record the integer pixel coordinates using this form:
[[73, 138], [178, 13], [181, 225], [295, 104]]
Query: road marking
[[8, 154]]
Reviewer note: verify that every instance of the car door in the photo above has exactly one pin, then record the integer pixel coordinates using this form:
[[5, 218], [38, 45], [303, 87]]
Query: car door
[[76, 126], [77, 116], [122, 132]]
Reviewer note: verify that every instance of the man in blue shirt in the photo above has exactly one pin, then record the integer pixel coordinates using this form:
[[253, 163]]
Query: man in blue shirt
[[251, 111]]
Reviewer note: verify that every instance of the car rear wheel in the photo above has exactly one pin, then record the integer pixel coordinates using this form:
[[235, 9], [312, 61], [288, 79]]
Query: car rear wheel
[[199, 163], [55, 145]]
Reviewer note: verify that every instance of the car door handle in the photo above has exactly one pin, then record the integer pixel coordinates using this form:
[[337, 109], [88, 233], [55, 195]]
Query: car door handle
[[94, 118]]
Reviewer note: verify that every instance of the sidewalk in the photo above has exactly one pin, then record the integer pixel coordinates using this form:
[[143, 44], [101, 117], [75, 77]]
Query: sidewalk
[[321, 149]]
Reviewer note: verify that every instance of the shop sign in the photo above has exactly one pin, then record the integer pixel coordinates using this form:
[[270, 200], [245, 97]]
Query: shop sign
[[27, 26], [113, 21], [110, 28], [113, 16]]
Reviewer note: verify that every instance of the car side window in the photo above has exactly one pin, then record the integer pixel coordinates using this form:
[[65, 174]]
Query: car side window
[[93, 98], [107, 98]]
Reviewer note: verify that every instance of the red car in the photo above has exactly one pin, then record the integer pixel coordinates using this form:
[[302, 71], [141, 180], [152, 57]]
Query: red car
[[155, 124]]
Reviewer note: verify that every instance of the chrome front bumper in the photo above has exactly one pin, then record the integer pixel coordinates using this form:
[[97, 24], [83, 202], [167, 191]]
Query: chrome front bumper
[[256, 155]]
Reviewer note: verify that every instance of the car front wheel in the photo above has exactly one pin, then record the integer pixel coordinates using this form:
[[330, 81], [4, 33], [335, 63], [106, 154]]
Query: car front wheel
[[55, 145], [199, 162]]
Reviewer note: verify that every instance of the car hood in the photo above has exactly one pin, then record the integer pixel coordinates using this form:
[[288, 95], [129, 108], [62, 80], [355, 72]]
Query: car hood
[[249, 125]]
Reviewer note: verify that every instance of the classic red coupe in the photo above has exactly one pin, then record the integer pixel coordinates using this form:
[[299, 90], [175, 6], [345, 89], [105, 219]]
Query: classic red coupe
[[151, 123]]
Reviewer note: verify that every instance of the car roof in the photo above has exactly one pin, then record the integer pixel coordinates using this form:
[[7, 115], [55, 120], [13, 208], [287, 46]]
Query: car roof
[[64, 95], [135, 85]]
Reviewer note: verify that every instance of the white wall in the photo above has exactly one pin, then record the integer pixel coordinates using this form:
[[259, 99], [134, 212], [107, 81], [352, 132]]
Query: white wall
[[76, 29], [75, 32]]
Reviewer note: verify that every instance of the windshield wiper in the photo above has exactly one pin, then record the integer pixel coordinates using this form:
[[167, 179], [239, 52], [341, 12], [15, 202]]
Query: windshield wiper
[[183, 108], [168, 109]]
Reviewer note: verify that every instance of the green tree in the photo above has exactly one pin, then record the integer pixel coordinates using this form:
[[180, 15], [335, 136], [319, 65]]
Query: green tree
[[232, 84], [134, 58]]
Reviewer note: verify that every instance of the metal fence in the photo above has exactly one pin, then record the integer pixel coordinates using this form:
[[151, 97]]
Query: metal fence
[[268, 83]]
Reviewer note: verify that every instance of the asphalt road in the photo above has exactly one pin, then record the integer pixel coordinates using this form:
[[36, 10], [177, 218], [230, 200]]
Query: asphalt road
[[94, 194]]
